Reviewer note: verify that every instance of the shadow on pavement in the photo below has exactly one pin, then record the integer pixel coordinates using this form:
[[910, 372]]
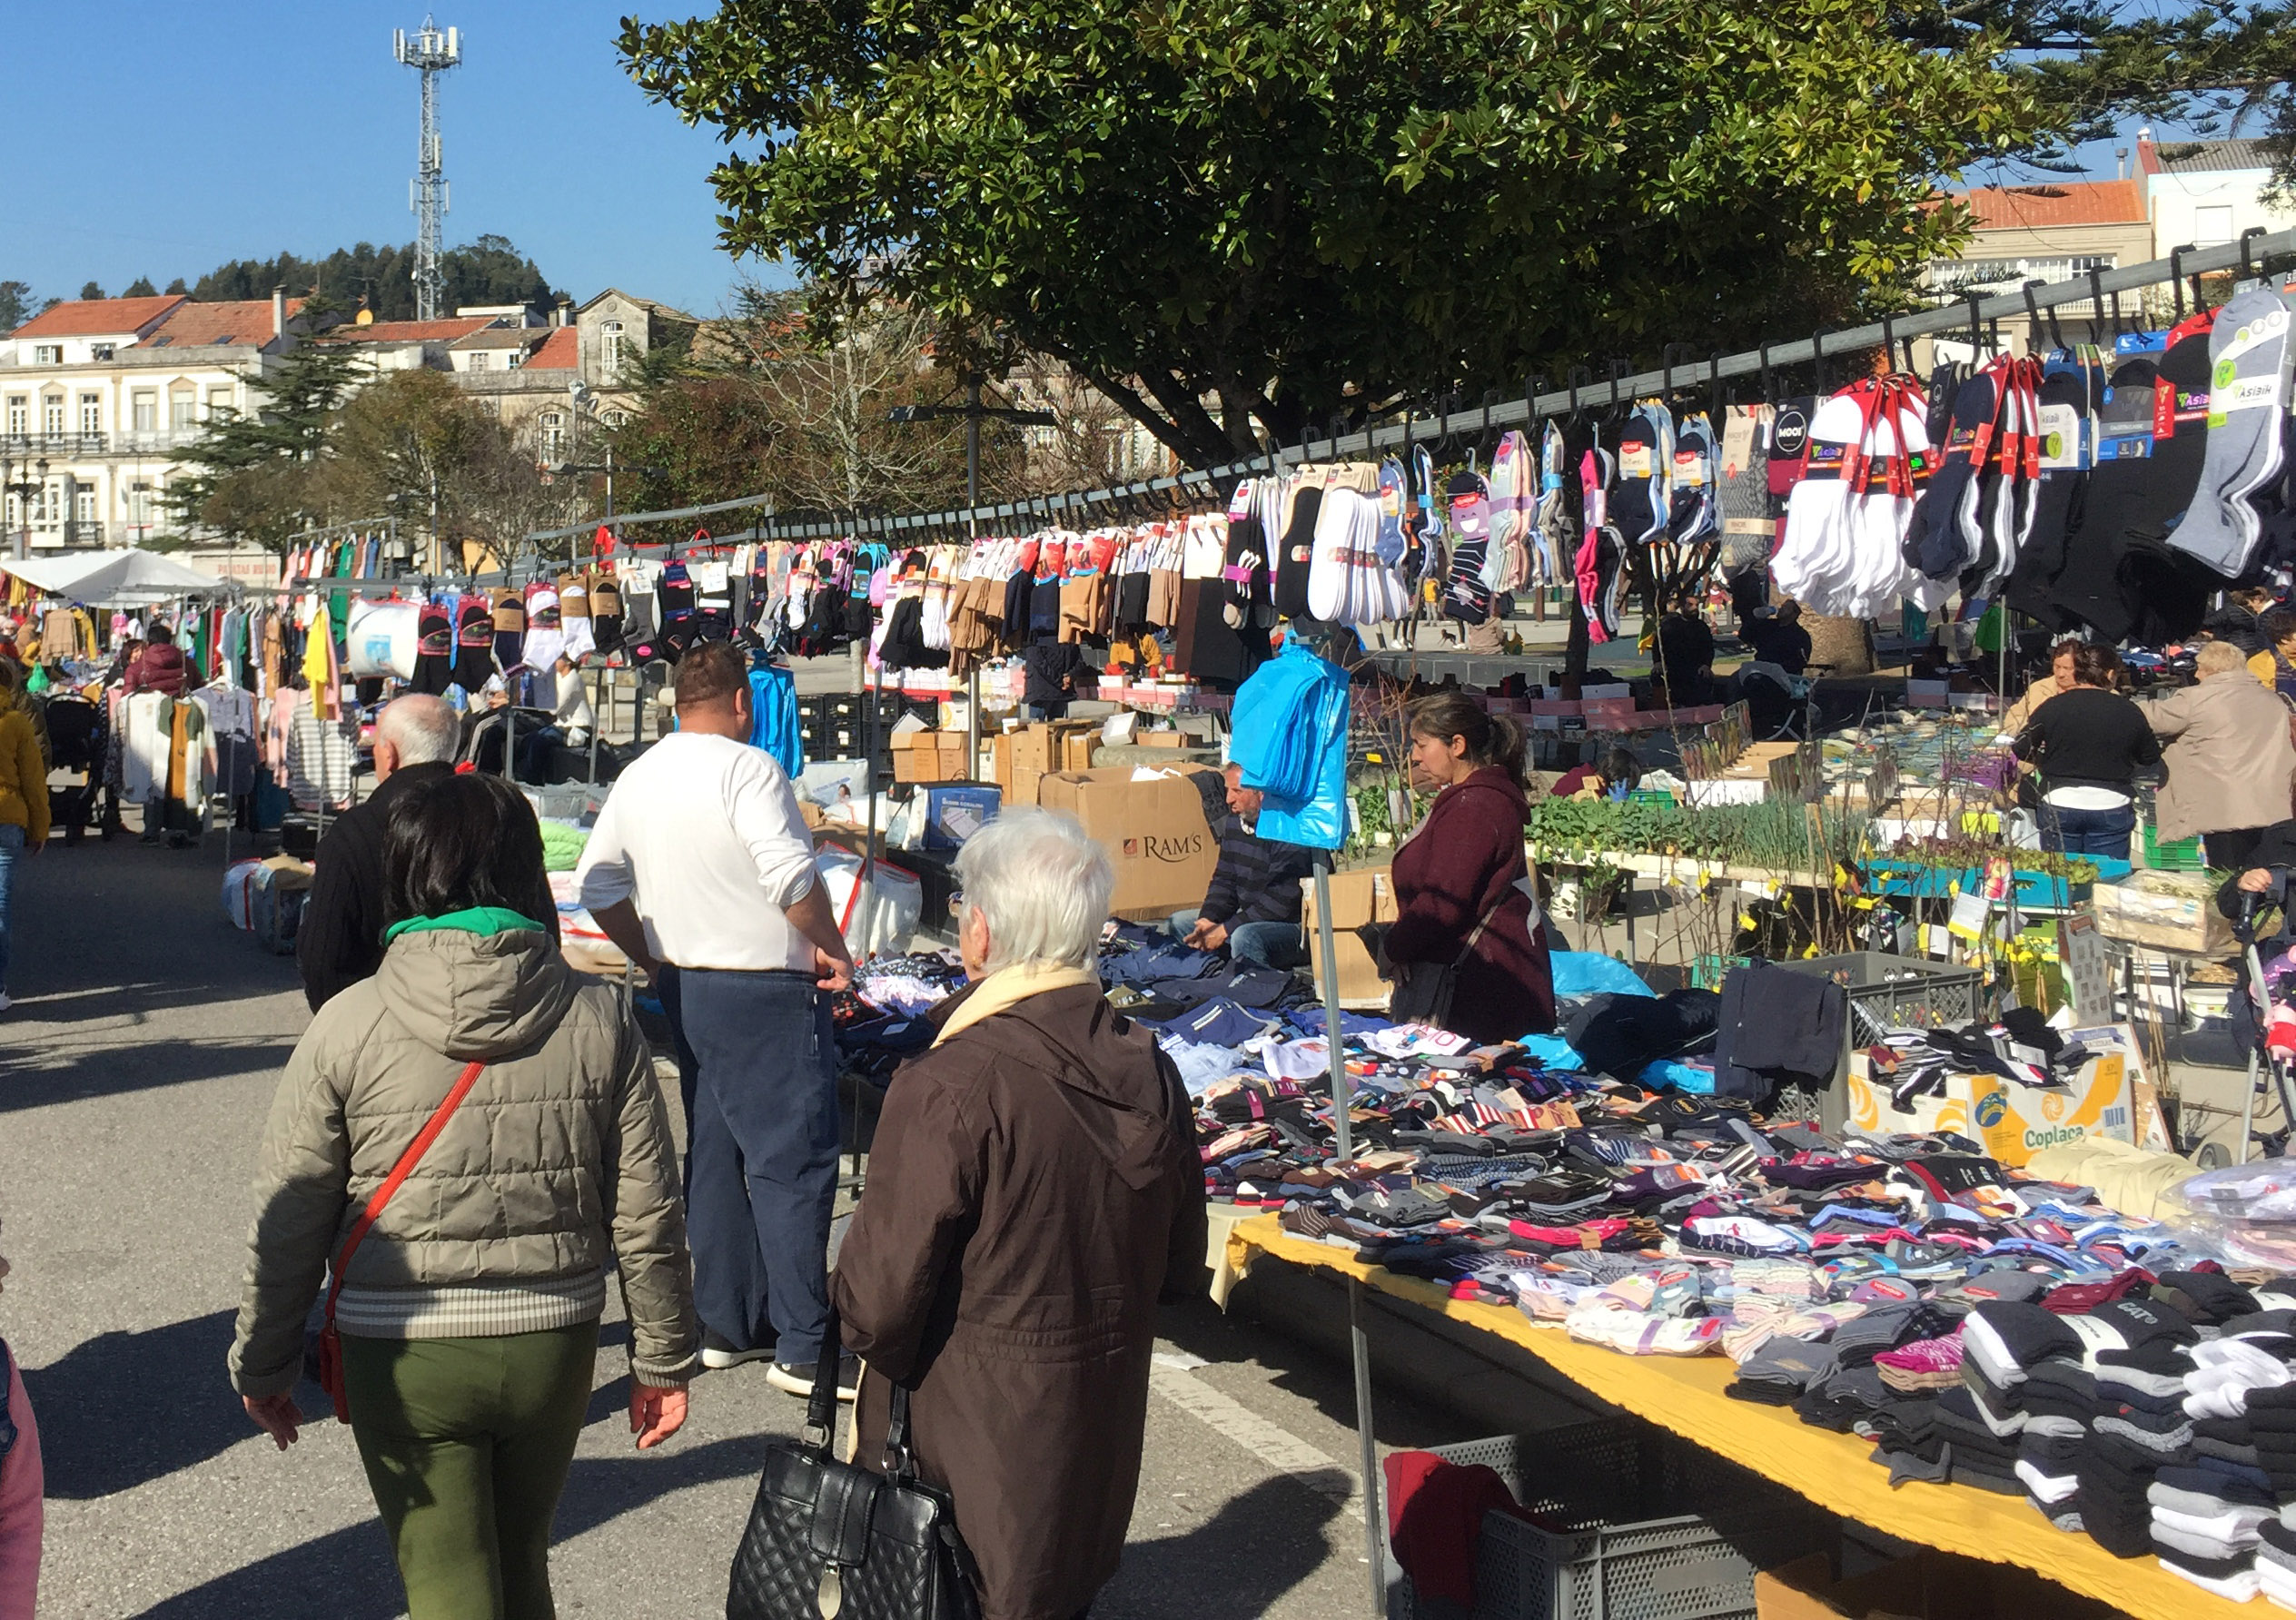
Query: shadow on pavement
[[348, 1575], [123, 1409], [109, 1070], [1256, 1549]]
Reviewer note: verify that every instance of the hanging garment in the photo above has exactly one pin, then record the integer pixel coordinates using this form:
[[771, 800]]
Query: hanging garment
[[184, 805], [1289, 718], [1642, 465], [2118, 575], [2247, 411], [142, 725], [775, 727], [1846, 518], [319, 760], [1598, 568], [1692, 516], [1466, 598]]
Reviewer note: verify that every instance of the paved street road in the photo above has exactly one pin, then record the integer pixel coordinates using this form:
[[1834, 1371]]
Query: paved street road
[[134, 1074]]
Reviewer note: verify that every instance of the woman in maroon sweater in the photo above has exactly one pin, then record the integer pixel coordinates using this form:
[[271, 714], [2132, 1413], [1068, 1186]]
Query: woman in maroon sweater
[[1466, 863]]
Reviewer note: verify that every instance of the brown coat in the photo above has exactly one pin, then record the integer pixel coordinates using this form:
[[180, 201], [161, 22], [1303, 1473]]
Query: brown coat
[[2226, 747], [1033, 1190]]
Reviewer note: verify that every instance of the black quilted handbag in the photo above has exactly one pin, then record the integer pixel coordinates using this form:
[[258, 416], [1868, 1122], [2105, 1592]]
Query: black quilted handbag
[[829, 1540]]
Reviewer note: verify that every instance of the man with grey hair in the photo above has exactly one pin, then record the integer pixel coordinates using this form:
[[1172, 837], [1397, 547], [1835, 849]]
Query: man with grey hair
[[1034, 1191], [340, 941]]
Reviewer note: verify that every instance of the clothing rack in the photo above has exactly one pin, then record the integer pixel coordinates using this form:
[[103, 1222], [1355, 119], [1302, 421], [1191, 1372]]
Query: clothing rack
[[1971, 314]]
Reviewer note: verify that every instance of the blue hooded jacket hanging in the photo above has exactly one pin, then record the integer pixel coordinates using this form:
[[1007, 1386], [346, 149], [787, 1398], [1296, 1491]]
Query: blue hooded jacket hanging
[[774, 726], [1290, 741]]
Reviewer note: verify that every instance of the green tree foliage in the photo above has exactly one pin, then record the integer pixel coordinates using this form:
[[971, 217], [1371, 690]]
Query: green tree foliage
[[17, 305], [140, 288], [90, 289], [251, 477], [489, 271], [1297, 207], [1291, 208]]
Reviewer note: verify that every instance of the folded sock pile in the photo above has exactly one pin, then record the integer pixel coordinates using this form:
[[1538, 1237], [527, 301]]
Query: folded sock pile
[[2205, 1526], [2116, 1512], [2275, 1564]]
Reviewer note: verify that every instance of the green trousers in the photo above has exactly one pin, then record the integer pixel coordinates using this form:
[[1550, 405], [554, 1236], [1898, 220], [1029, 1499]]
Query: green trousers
[[466, 1442]]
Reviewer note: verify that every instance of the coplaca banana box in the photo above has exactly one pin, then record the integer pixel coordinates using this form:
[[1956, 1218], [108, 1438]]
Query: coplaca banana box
[[2012, 1120]]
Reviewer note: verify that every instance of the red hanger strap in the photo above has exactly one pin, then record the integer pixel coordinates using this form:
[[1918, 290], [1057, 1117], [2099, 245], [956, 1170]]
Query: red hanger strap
[[397, 1178]]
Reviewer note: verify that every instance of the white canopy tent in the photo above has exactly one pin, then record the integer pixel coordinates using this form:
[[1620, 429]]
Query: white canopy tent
[[129, 578]]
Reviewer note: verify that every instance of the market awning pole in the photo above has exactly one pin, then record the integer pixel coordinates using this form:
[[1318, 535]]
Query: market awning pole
[[1358, 1348]]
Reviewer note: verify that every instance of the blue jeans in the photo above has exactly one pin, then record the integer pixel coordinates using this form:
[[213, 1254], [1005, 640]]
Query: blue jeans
[[11, 841], [1269, 945], [2087, 832], [757, 1067], [1261, 945]]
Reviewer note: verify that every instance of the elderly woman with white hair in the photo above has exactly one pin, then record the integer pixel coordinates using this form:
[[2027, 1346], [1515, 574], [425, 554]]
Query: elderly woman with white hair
[[1033, 1190]]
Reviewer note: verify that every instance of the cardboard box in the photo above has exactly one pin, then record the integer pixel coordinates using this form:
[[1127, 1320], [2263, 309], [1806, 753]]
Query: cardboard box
[[1366, 894], [2168, 911], [940, 760], [1155, 832], [2012, 1120]]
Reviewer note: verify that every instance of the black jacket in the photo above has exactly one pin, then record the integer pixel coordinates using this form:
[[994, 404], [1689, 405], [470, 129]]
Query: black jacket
[[1053, 669], [1257, 879], [2085, 737], [339, 940]]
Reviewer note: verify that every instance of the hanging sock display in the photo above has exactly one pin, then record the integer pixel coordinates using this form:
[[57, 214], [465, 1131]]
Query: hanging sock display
[[2247, 417], [1466, 598], [1848, 516]]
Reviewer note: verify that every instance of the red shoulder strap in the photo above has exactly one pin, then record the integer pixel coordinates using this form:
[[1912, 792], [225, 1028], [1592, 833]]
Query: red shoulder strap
[[399, 1173]]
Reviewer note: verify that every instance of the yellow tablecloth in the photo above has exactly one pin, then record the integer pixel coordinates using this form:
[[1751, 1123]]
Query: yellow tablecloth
[[1686, 1396]]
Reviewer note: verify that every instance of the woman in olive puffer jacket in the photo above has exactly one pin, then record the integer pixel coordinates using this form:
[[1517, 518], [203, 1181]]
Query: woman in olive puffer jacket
[[469, 1315]]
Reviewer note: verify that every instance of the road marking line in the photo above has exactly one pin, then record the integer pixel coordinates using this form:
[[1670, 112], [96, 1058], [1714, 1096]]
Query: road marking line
[[1276, 1446]]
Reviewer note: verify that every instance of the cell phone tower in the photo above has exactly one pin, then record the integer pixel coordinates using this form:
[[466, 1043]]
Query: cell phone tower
[[431, 52]]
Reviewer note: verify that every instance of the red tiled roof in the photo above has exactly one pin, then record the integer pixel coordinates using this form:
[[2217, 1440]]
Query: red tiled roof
[[2068, 203], [95, 317], [560, 351], [408, 331], [246, 320]]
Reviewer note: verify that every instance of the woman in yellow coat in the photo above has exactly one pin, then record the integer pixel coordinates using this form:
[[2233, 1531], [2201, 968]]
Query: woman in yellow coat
[[23, 797]]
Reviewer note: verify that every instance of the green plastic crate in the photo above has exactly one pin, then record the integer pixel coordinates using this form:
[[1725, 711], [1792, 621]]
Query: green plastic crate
[[2183, 855]]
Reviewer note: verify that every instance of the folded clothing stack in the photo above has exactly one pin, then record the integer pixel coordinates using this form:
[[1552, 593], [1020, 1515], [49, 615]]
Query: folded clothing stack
[[2276, 1560], [2205, 1526], [2114, 1500]]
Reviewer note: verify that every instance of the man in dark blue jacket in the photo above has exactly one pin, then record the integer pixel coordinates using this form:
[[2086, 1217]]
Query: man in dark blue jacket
[[1253, 905]]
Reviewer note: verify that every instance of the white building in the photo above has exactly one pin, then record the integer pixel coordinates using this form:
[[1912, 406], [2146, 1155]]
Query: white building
[[2207, 192], [97, 395]]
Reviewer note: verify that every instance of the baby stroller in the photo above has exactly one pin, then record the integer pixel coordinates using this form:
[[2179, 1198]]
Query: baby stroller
[[78, 734], [2267, 998]]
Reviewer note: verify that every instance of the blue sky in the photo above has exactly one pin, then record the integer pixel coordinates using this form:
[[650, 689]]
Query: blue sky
[[175, 136]]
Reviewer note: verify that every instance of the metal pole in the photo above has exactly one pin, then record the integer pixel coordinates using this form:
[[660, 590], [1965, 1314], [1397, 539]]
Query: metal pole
[[1358, 1348], [1374, 1538]]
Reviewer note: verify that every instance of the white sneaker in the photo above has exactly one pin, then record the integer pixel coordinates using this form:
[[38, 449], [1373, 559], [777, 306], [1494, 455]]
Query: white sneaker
[[717, 1354]]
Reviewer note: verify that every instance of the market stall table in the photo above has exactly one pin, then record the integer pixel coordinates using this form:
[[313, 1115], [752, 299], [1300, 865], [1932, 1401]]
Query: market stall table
[[1685, 1395]]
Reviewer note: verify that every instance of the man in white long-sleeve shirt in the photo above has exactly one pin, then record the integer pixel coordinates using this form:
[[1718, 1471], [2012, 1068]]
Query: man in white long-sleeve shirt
[[700, 868]]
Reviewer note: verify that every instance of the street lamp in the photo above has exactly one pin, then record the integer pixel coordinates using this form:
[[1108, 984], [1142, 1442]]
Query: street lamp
[[23, 491]]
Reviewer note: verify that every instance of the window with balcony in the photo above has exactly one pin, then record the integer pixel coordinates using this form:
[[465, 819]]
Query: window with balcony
[[83, 504], [51, 415], [19, 415], [553, 436], [146, 404], [91, 413], [219, 403], [611, 349], [183, 411], [47, 354]]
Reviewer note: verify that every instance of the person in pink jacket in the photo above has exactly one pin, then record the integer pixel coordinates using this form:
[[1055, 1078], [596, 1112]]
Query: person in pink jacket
[[20, 1490]]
